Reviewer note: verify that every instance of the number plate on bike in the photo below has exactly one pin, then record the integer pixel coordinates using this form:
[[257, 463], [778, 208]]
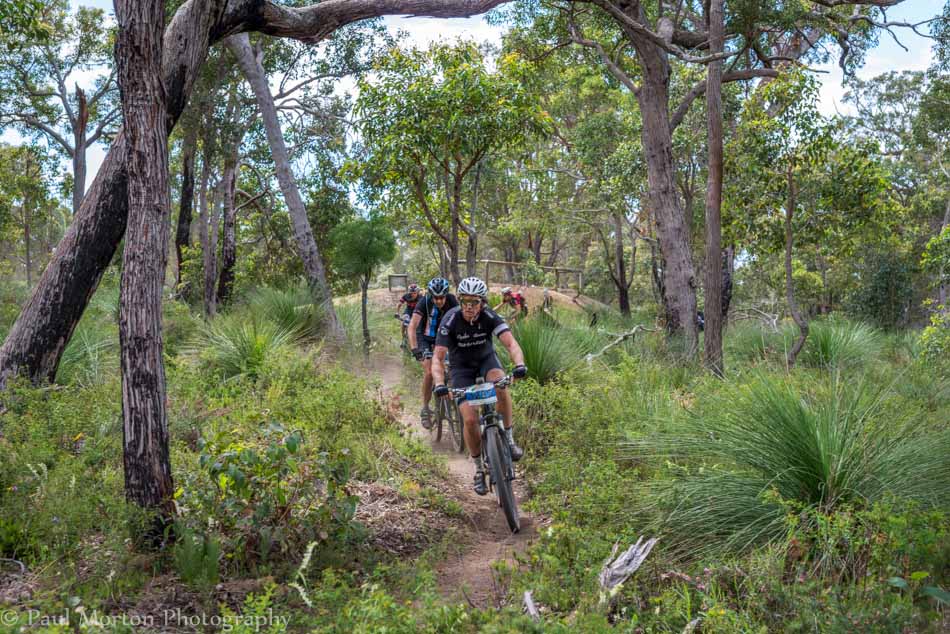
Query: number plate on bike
[[481, 394]]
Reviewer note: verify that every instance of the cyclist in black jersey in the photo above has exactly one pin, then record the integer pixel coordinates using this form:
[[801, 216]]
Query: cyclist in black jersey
[[423, 327], [467, 334]]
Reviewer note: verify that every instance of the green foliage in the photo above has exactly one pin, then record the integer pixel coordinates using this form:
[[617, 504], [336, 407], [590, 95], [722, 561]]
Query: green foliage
[[936, 257], [934, 341], [291, 309], [837, 343], [360, 246], [196, 558], [91, 356], [548, 348], [232, 346], [753, 446], [885, 290]]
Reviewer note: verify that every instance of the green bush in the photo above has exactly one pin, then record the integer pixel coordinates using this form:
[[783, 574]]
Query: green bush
[[836, 343], [231, 346], [291, 309], [548, 348], [753, 447]]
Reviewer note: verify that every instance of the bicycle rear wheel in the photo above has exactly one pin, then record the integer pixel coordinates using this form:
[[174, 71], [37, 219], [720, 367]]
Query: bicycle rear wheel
[[500, 465]]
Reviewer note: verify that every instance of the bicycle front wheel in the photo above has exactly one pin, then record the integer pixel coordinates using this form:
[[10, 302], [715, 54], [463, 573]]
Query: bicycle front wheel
[[499, 463]]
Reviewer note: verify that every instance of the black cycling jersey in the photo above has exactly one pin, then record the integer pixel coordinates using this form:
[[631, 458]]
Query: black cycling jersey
[[432, 315], [409, 302], [470, 343]]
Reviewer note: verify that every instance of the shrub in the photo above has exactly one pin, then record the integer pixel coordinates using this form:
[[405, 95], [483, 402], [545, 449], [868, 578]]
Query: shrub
[[838, 343], [232, 347], [757, 446], [91, 356], [548, 349], [291, 309]]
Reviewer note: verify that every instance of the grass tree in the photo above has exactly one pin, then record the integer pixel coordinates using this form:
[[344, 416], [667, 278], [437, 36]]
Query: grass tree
[[360, 246]]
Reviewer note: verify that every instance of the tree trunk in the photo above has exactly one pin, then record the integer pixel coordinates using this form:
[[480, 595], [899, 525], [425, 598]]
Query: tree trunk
[[623, 286], [789, 282], [35, 344], [364, 285], [79, 149], [240, 46], [712, 334], [211, 254], [679, 290], [943, 291], [28, 262], [228, 232], [148, 480], [204, 225], [183, 232], [728, 267]]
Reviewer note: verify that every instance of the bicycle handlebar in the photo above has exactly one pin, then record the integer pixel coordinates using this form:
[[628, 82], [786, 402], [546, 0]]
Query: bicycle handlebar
[[504, 381]]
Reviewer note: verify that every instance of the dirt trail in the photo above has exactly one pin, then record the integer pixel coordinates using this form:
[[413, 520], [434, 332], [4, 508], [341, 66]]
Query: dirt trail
[[466, 574]]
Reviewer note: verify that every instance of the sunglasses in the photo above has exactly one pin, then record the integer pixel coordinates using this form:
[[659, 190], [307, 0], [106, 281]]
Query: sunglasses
[[470, 302]]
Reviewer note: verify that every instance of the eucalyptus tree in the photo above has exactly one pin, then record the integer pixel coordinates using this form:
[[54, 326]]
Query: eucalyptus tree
[[639, 44], [429, 120], [800, 183], [35, 96]]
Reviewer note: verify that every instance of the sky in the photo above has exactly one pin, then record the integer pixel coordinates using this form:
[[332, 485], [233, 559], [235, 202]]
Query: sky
[[887, 56]]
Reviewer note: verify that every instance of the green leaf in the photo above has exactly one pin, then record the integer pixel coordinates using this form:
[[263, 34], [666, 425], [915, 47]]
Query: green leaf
[[898, 582], [939, 594]]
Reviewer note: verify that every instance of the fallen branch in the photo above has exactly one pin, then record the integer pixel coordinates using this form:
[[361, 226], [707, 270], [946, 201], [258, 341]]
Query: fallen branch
[[14, 561], [617, 341], [530, 607], [616, 571]]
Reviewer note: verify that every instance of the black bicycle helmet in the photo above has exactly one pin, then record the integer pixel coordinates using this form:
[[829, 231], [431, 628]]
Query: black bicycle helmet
[[438, 286]]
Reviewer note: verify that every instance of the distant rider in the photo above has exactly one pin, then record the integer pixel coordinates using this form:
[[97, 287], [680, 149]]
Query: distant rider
[[423, 328], [515, 300], [466, 335], [410, 298]]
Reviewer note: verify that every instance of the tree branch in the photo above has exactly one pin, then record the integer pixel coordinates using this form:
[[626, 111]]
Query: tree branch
[[700, 88], [611, 65]]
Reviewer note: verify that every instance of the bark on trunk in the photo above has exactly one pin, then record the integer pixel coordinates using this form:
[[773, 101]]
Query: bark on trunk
[[228, 233], [34, 345], [211, 253], [679, 291], [250, 64], [183, 232], [620, 279], [204, 225], [712, 334], [148, 480], [28, 261], [364, 285], [79, 149], [728, 267], [789, 282]]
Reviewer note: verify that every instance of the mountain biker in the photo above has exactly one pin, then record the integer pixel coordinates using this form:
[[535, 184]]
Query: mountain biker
[[410, 298], [423, 327], [466, 333], [515, 300]]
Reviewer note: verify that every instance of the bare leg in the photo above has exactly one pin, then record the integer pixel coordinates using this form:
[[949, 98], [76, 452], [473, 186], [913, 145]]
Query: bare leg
[[473, 439], [426, 382], [504, 397]]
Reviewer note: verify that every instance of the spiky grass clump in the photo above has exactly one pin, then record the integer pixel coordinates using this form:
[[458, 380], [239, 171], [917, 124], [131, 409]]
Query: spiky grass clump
[[548, 348], [350, 316], [291, 309], [233, 347], [756, 448], [837, 343], [90, 356]]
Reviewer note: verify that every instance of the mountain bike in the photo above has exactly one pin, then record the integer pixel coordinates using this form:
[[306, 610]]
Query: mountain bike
[[404, 346], [496, 454], [447, 413]]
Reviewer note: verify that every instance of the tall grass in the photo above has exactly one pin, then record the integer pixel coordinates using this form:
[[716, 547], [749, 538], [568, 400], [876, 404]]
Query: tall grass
[[381, 329], [838, 343], [90, 357], [231, 346], [754, 448], [291, 309], [550, 348]]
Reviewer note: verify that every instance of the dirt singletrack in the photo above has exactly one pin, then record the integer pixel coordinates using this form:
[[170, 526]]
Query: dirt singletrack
[[466, 573]]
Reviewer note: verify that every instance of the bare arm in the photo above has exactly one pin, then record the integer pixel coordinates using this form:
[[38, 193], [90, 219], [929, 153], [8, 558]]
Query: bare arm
[[514, 350], [438, 365], [411, 329]]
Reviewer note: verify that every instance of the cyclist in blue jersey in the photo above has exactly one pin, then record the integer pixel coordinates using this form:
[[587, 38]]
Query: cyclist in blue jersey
[[423, 329]]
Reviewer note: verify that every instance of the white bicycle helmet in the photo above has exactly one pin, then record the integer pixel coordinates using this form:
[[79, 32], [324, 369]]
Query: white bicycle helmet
[[473, 286]]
